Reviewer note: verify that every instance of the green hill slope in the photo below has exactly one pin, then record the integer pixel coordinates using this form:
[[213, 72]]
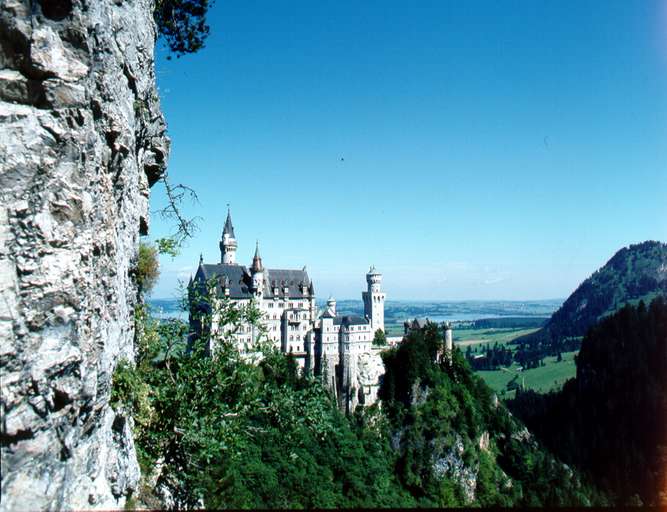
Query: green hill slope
[[637, 272], [609, 421]]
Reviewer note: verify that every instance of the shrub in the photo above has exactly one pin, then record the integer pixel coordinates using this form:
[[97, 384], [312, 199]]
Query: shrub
[[148, 268], [380, 339], [130, 394]]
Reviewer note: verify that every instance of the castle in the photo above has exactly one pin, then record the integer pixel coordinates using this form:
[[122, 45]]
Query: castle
[[338, 348]]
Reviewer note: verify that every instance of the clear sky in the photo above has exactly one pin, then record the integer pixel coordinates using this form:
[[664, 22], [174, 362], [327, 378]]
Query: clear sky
[[469, 149]]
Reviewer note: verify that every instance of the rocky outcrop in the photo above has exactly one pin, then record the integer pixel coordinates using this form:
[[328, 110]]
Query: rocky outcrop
[[370, 371], [448, 461], [82, 139]]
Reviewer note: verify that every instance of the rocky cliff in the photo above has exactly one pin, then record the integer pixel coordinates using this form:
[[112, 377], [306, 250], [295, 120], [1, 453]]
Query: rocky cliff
[[82, 139]]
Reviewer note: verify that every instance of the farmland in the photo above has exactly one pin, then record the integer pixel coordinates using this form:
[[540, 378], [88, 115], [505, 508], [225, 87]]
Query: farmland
[[545, 378]]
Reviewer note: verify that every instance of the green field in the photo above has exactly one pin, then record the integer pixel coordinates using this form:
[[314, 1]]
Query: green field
[[468, 336], [394, 329], [545, 378], [471, 337]]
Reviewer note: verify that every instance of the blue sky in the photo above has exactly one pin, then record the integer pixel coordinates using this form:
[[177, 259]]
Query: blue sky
[[491, 149]]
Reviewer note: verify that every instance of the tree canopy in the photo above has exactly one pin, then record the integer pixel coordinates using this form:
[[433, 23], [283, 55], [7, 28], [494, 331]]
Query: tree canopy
[[182, 24]]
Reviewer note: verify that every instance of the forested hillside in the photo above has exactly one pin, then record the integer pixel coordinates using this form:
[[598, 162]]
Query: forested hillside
[[637, 272], [223, 432], [611, 420], [445, 421]]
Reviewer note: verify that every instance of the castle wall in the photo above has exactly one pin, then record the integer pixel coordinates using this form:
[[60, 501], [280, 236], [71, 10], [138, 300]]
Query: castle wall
[[82, 140], [328, 346]]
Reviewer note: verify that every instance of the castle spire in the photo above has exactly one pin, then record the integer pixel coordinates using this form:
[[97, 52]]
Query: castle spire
[[228, 243], [229, 227], [257, 260]]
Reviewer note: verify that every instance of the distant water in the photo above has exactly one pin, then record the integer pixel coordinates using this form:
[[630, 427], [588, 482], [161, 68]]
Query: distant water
[[167, 308], [397, 311]]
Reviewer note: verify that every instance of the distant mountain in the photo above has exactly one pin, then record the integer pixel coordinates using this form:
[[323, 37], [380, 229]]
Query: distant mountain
[[634, 273]]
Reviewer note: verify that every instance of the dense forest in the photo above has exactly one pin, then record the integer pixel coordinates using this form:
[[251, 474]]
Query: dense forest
[[634, 273], [507, 322], [225, 431], [610, 420], [489, 357]]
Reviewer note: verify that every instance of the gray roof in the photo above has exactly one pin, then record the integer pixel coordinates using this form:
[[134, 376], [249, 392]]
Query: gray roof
[[239, 280], [350, 320]]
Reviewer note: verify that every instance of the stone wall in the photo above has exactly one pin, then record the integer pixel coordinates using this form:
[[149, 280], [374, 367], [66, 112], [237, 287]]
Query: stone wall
[[82, 139]]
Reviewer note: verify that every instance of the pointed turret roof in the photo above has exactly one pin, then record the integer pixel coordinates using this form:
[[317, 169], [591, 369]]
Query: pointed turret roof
[[257, 260], [229, 227]]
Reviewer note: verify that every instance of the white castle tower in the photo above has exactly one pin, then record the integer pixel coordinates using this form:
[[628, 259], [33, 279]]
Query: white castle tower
[[228, 242], [449, 345], [374, 300]]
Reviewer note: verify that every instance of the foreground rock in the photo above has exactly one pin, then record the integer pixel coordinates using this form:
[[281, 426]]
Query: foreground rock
[[82, 139]]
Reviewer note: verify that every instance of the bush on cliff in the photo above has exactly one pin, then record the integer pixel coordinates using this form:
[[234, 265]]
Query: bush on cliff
[[147, 270]]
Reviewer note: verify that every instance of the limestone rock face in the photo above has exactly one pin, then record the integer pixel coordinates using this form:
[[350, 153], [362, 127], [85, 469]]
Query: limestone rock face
[[82, 138], [370, 369]]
